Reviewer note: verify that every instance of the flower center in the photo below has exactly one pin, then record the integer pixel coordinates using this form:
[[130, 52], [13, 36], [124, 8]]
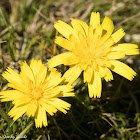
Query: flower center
[[37, 93], [93, 59]]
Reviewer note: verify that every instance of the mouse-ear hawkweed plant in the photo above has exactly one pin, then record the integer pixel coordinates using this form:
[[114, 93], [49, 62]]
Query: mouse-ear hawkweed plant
[[36, 91], [93, 50]]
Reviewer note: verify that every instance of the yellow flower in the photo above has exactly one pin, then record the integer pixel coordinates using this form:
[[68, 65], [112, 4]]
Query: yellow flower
[[92, 50], [36, 92]]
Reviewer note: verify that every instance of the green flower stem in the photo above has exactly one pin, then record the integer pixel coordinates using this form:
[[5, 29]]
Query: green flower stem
[[4, 115], [25, 131]]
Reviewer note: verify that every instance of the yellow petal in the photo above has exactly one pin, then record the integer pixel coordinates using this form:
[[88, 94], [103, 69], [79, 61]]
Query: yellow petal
[[20, 86], [60, 104], [129, 49], [91, 37], [122, 69], [26, 70], [77, 49], [101, 71], [10, 95], [77, 26], [17, 112], [67, 58], [41, 117], [108, 28], [99, 30], [72, 74], [64, 29], [106, 46], [96, 36], [31, 109], [35, 66], [53, 92], [53, 79], [82, 40], [10, 75], [68, 94], [108, 75], [116, 55], [61, 91], [20, 102], [44, 117], [95, 87], [95, 19], [41, 75], [118, 35], [88, 74], [49, 108], [65, 88], [64, 43], [84, 25], [104, 39], [107, 25]]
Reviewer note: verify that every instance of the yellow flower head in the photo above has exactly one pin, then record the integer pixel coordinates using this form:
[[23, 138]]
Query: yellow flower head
[[92, 50], [36, 92]]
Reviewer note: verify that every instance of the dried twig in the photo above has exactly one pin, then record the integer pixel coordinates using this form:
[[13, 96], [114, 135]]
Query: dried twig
[[111, 10], [124, 21], [54, 47]]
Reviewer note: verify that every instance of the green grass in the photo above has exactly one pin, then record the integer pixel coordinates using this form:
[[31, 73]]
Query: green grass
[[26, 32]]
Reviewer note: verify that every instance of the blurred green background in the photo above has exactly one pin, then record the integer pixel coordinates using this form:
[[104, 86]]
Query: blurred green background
[[26, 32]]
